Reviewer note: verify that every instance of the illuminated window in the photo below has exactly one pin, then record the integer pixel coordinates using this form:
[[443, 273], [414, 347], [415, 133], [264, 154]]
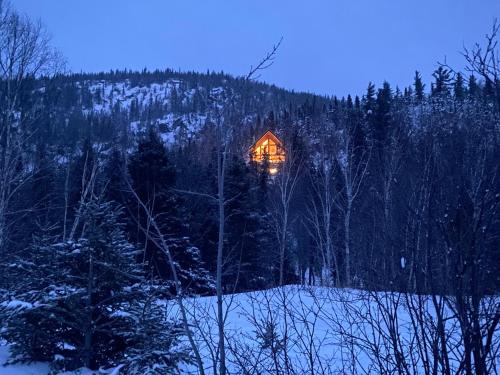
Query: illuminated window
[[271, 146]]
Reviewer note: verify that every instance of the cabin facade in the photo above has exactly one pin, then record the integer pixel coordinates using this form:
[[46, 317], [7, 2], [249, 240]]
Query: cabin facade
[[270, 146]]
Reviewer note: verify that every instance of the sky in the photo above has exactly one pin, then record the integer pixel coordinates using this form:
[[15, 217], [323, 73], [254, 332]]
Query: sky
[[330, 47]]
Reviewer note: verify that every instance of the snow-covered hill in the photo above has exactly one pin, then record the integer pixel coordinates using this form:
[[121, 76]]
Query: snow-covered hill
[[120, 105]]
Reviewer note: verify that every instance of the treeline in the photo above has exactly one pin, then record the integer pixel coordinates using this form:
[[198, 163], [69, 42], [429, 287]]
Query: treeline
[[386, 193]]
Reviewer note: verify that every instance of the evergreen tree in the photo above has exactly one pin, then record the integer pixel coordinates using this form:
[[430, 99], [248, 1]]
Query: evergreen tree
[[370, 99], [153, 179], [357, 104], [174, 100], [349, 102], [244, 242], [115, 186], [382, 117], [419, 86], [156, 345], [489, 90], [34, 202], [458, 87], [442, 82], [265, 246], [473, 89], [70, 310], [43, 191]]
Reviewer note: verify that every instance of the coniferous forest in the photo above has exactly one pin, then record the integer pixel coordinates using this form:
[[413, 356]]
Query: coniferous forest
[[133, 220]]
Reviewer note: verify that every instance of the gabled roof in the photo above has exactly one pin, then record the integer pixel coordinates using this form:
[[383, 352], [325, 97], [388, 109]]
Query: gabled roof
[[269, 134]]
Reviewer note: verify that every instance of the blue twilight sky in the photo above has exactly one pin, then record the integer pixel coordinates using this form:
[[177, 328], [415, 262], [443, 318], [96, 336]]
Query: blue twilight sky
[[329, 47]]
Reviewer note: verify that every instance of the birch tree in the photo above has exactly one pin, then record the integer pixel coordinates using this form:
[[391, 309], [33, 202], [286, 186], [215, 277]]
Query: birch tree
[[284, 185], [320, 212], [354, 166]]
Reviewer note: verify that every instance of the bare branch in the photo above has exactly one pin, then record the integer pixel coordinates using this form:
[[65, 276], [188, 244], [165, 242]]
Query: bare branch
[[265, 63]]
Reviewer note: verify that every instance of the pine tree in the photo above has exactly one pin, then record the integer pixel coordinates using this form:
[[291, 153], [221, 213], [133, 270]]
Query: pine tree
[[243, 238], [86, 303], [489, 89], [357, 104], [442, 82], [116, 186], [174, 100], [458, 87], [156, 345], [419, 86], [153, 179], [204, 226], [33, 204], [349, 102], [71, 307], [369, 102], [266, 244], [381, 121], [473, 89]]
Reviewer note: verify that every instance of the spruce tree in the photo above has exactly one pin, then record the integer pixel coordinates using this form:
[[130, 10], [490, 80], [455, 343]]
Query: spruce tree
[[85, 302], [442, 82], [419, 86], [266, 244], [153, 179], [473, 89], [458, 87], [71, 309], [244, 243], [369, 100], [156, 347], [382, 115], [116, 188]]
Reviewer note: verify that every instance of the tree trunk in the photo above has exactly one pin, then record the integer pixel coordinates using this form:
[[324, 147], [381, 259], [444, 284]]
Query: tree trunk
[[347, 241], [220, 248], [283, 248], [87, 348]]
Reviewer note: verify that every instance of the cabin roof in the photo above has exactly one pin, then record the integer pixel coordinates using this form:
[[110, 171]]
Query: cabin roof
[[268, 134]]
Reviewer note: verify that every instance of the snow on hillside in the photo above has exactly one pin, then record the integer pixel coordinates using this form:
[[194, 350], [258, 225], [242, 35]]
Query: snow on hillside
[[173, 127], [169, 106], [106, 95]]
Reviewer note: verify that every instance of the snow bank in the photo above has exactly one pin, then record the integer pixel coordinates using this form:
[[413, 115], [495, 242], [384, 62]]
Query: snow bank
[[326, 329], [20, 369]]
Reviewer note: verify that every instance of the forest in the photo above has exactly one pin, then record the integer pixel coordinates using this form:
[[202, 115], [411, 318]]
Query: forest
[[125, 192]]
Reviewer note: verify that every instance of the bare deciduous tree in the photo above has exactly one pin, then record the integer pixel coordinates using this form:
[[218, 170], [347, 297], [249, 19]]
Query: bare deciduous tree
[[484, 60], [354, 165], [25, 53], [320, 211], [284, 185]]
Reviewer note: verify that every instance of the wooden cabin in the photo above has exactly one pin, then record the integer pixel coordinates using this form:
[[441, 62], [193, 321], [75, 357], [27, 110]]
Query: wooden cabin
[[271, 146]]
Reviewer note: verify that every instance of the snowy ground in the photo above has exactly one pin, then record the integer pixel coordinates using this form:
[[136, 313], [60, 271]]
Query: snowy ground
[[300, 326], [28, 369], [327, 330], [36, 368]]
